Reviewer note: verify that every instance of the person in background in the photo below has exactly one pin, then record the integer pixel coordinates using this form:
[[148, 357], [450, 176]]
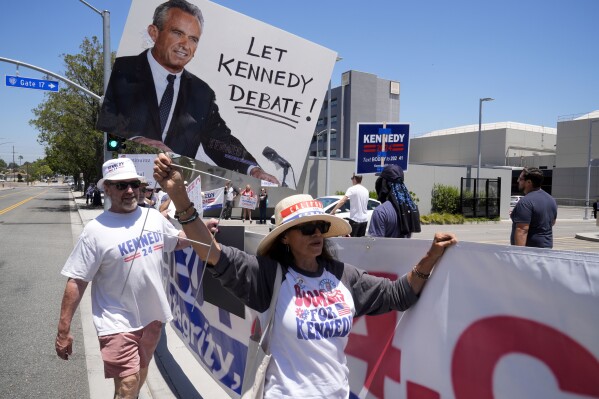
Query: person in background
[[262, 205], [535, 214], [230, 194], [246, 213], [150, 198], [129, 303], [595, 205], [141, 200], [358, 206], [308, 359], [389, 219], [89, 193]]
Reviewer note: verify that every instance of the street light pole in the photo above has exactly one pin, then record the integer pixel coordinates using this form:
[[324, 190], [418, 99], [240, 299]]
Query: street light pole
[[107, 56], [480, 118], [318, 138], [590, 160], [328, 168]]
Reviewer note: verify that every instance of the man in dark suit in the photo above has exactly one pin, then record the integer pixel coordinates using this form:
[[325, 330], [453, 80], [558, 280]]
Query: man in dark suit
[[186, 120]]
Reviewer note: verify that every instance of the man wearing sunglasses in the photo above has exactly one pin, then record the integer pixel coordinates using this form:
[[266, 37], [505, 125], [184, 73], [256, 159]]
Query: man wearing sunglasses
[[121, 254]]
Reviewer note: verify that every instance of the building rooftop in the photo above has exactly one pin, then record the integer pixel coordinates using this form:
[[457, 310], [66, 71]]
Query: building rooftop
[[590, 115], [492, 126]]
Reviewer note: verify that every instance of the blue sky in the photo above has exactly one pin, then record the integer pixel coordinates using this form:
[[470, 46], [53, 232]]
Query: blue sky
[[538, 59]]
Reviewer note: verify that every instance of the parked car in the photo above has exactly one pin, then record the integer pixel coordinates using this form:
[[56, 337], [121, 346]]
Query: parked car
[[514, 199], [329, 202]]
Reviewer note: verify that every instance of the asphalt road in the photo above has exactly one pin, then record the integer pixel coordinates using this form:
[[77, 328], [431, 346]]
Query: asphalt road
[[35, 226]]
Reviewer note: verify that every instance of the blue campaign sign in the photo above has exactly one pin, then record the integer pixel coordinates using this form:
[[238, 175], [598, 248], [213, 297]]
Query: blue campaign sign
[[381, 144], [29, 83]]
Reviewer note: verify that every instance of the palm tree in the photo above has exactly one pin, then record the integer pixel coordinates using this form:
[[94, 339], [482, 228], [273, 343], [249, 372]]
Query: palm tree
[[20, 160]]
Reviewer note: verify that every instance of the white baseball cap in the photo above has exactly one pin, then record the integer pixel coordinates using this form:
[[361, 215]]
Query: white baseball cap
[[118, 169]]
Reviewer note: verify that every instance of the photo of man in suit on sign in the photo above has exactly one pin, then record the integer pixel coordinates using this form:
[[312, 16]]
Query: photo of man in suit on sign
[[153, 100]]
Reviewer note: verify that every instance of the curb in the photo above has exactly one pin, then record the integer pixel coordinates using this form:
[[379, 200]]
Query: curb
[[588, 236]]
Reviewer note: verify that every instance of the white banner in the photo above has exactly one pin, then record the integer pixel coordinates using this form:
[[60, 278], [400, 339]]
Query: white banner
[[213, 199], [493, 321]]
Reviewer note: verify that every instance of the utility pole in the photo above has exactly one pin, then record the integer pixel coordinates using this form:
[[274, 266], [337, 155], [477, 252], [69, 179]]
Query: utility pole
[[13, 163]]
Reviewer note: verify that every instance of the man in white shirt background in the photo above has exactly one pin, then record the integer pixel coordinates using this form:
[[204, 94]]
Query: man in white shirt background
[[357, 194]]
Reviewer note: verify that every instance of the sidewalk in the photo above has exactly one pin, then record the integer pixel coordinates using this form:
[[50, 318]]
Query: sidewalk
[[174, 373]]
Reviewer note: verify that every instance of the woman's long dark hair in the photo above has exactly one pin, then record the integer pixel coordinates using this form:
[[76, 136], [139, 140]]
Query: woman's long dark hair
[[282, 254]]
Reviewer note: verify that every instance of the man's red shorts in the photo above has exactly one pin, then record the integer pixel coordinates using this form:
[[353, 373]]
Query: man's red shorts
[[126, 353]]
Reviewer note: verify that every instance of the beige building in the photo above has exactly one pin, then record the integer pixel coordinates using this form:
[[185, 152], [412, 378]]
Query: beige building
[[502, 144], [577, 141]]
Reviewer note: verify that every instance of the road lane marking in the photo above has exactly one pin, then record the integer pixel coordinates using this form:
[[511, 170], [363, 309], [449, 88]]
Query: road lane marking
[[16, 192], [10, 208]]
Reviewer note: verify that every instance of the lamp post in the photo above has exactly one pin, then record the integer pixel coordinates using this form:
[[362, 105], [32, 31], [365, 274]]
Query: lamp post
[[318, 138], [328, 167], [328, 171], [107, 56], [480, 118], [590, 161]]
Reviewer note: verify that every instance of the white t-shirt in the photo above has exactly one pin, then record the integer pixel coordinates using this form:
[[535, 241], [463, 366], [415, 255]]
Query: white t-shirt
[[113, 246], [230, 193], [317, 319], [358, 197]]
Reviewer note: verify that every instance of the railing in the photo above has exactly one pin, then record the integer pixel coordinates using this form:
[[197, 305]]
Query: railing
[[573, 201]]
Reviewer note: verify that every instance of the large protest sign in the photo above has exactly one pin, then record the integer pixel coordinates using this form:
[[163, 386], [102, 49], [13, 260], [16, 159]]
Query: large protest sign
[[269, 86], [493, 321]]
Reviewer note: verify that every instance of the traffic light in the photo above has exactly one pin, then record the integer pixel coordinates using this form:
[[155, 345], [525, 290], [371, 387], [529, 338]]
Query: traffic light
[[114, 143]]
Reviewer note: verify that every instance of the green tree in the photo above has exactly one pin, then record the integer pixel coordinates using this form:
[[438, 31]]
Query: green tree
[[39, 170], [3, 164], [66, 119]]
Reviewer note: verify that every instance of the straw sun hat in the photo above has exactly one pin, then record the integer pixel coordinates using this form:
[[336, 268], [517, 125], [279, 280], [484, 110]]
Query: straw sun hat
[[298, 209]]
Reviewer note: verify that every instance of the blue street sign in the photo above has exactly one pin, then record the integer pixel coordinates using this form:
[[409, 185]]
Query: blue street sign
[[29, 83]]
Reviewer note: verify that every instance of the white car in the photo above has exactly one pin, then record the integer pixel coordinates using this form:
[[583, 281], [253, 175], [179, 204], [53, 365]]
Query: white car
[[329, 202], [514, 199]]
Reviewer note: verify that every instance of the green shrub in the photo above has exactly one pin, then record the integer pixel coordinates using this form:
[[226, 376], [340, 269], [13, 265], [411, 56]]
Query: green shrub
[[445, 199]]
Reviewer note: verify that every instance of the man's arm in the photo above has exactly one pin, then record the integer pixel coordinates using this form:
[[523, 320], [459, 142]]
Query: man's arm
[[71, 298], [377, 225], [339, 204], [520, 234]]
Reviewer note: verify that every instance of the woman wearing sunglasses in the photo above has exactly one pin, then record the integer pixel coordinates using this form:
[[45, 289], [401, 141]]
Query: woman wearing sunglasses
[[319, 295]]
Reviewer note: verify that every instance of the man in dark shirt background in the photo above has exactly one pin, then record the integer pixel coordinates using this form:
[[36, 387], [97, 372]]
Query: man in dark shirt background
[[534, 215]]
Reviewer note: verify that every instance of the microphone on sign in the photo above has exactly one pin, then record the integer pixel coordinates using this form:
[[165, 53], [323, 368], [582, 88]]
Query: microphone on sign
[[272, 155]]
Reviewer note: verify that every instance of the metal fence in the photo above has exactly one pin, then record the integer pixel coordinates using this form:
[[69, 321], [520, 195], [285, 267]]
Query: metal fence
[[480, 197]]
